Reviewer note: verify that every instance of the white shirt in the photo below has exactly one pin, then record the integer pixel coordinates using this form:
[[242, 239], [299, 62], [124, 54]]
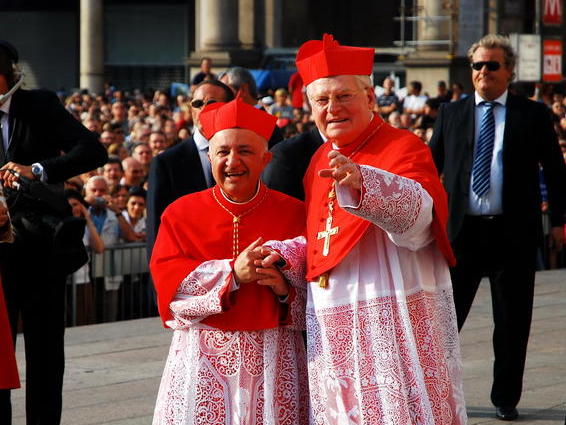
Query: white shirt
[[202, 146], [490, 203], [413, 102]]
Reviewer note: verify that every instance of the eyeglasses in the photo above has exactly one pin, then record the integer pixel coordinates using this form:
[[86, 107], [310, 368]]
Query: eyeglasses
[[199, 103], [321, 101], [491, 65]]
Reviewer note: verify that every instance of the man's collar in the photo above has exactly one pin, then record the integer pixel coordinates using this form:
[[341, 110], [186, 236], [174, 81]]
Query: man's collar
[[5, 107], [200, 140], [501, 100]]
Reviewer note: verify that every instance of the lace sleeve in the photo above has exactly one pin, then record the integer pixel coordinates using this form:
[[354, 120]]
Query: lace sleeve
[[398, 205], [293, 251], [202, 293]]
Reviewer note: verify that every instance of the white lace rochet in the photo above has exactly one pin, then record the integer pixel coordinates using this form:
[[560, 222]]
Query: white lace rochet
[[229, 377]]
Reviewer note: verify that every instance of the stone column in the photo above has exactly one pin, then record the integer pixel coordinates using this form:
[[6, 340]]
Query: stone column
[[246, 27], [431, 29], [431, 61], [273, 23], [92, 45], [218, 25], [219, 36]]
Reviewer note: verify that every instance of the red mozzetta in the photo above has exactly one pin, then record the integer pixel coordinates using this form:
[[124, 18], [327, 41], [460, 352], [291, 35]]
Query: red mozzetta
[[196, 228], [381, 146]]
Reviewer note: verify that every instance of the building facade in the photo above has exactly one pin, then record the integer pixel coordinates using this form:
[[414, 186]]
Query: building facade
[[144, 44]]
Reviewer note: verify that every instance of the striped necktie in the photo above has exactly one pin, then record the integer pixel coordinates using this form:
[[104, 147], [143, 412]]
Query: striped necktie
[[481, 169]]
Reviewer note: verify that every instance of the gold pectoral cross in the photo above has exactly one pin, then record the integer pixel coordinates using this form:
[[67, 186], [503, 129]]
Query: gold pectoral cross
[[326, 234]]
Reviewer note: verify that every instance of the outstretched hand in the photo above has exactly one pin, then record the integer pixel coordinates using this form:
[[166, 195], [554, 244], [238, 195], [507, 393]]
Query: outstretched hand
[[343, 170]]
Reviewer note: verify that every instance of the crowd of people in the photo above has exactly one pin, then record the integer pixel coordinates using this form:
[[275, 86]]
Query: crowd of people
[[135, 127]]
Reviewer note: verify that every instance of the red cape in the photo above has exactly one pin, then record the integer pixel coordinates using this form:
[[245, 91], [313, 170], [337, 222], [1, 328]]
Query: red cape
[[397, 151], [8, 369], [195, 229]]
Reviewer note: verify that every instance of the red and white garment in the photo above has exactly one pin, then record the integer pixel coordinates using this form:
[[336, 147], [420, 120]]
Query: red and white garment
[[382, 339], [215, 376]]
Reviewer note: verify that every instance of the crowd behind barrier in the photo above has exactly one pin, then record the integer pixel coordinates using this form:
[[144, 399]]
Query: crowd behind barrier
[[136, 126]]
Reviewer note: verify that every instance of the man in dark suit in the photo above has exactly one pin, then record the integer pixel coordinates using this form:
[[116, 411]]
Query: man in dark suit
[[489, 147], [184, 168], [290, 161], [241, 81], [36, 128]]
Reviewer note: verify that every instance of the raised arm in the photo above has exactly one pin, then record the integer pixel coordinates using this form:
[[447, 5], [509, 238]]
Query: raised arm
[[398, 205]]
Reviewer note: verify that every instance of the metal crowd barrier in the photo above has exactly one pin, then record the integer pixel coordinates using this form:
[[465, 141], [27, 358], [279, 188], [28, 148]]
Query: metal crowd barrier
[[114, 285]]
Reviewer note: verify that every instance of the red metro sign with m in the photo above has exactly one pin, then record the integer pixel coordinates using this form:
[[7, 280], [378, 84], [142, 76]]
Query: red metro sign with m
[[552, 12], [552, 60]]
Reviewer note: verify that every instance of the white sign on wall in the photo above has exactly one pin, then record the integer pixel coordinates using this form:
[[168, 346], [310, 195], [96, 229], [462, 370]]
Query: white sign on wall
[[528, 48]]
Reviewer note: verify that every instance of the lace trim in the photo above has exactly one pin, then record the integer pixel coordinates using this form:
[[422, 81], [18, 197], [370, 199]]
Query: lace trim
[[391, 202], [387, 361], [293, 251], [200, 294], [234, 377]]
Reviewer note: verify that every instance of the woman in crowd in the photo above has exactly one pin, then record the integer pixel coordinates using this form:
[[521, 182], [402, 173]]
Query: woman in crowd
[[135, 212]]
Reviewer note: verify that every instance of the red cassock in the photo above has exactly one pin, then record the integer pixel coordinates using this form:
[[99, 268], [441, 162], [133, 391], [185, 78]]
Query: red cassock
[[8, 368], [380, 146], [197, 228]]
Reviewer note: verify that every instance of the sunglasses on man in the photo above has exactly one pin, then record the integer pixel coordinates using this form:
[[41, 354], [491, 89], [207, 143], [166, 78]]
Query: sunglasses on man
[[199, 103], [491, 65]]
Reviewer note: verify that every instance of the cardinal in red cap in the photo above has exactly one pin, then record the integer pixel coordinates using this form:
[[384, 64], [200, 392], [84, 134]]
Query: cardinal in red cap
[[381, 327], [237, 354]]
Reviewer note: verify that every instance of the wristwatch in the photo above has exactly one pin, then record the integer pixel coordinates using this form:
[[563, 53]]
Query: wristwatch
[[37, 170]]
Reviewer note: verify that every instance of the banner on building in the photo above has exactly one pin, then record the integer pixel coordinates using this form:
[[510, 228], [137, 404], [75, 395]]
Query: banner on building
[[552, 12], [552, 60]]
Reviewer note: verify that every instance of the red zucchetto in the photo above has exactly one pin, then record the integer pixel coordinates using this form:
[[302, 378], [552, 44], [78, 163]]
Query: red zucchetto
[[236, 114], [318, 59]]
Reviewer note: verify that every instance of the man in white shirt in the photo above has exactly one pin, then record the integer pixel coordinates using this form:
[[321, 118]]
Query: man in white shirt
[[414, 103]]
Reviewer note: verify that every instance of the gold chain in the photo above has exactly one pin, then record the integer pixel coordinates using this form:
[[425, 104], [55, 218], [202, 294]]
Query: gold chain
[[236, 220]]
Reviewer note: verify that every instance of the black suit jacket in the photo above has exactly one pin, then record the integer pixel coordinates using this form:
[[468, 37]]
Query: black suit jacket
[[529, 140], [291, 158], [172, 174], [41, 128]]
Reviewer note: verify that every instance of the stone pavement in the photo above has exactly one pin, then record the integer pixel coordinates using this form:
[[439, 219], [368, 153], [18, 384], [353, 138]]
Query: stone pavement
[[113, 370]]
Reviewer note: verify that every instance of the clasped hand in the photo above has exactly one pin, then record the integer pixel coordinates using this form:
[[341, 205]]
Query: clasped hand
[[11, 171], [256, 263]]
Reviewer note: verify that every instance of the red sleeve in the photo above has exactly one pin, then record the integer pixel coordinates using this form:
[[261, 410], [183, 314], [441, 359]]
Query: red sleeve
[[9, 371], [169, 264]]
